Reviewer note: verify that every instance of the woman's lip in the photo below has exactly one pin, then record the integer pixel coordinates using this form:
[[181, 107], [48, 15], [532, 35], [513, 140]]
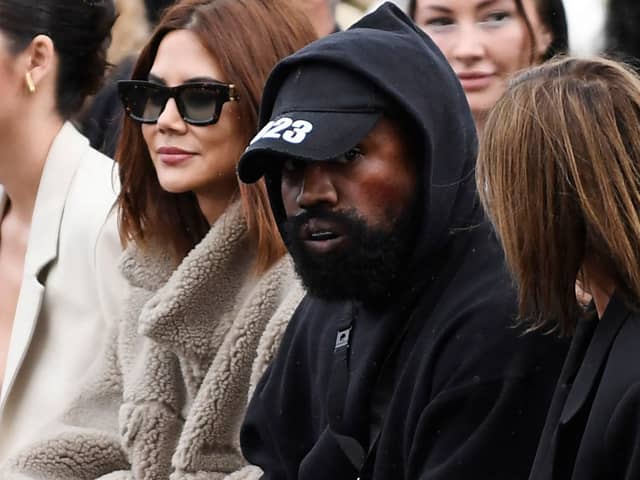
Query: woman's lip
[[174, 158], [173, 151], [475, 81]]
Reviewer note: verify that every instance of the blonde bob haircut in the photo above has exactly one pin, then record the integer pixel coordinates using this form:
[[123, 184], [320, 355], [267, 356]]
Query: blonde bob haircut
[[559, 175]]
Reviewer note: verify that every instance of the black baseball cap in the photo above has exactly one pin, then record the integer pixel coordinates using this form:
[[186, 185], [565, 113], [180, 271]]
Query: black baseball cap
[[320, 112]]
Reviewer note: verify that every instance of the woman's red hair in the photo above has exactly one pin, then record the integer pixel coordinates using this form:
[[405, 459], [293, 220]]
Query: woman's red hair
[[247, 38]]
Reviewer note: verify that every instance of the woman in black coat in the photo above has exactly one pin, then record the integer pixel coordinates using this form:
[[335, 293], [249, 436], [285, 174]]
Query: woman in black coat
[[559, 173]]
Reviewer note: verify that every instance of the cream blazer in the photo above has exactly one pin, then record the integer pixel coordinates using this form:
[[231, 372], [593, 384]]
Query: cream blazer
[[70, 291]]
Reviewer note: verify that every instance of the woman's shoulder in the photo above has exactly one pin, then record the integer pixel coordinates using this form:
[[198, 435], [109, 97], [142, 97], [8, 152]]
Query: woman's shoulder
[[97, 177], [94, 184]]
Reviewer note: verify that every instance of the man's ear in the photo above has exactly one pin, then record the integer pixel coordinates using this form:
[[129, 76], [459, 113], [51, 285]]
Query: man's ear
[[41, 58]]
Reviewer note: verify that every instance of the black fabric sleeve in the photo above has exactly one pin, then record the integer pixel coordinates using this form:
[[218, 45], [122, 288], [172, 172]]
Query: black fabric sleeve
[[259, 446], [622, 439], [484, 431], [490, 396]]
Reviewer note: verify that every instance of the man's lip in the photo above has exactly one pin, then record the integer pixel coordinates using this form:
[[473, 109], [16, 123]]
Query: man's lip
[[318, 230], [324, 246], [320, 236], [323, 235]]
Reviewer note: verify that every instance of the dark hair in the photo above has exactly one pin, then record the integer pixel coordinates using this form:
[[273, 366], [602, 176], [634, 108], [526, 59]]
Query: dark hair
[[621, 31], [552, 15], [558, 174], [155, 9], [247, 38], [80, 31]]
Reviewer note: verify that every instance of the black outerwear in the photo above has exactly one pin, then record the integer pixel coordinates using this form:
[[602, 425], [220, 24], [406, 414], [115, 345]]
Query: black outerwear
[[593, 428], [469, 400], [102, 121], [469, 392]]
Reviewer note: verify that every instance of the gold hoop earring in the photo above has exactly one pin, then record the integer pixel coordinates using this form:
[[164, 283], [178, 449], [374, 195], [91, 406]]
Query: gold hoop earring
[[30, 85]]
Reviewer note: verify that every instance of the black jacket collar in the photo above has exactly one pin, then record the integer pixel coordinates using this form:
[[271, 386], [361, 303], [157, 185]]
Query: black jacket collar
[[595, 357]]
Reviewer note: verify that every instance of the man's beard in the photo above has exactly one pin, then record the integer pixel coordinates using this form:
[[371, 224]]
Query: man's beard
[[372, 267]]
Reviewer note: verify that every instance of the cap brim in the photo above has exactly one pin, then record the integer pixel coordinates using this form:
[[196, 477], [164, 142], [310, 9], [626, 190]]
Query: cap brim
[[307, 135]]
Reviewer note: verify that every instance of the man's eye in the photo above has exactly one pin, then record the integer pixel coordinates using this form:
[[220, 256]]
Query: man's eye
[[291, 165], [350, 155]]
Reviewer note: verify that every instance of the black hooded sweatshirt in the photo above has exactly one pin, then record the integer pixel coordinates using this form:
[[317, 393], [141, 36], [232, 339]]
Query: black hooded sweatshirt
[[455, 389]]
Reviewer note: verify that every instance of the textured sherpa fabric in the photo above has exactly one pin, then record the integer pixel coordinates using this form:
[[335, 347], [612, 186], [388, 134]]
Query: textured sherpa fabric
[[171, 392]]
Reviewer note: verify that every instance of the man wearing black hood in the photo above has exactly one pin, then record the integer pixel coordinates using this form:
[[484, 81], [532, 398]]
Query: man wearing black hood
[[403, 361]]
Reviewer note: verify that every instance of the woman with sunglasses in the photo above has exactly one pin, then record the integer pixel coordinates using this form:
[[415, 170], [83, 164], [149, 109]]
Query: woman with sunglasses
[[211, 287], [59, 288], [487, 42]]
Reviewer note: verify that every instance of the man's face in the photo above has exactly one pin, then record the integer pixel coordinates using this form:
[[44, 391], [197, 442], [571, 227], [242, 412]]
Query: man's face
[[350, 220]]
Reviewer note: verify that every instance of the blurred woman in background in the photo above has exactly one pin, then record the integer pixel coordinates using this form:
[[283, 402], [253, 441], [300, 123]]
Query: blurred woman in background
[[487, 42], [211, 287], [59, 285], [559, 174]]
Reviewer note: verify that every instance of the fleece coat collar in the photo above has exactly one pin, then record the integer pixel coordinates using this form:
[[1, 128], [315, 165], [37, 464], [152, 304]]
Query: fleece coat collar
[[168, 399]]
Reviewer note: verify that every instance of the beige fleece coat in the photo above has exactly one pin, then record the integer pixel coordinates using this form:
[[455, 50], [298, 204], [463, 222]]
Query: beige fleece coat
[[170, 394]]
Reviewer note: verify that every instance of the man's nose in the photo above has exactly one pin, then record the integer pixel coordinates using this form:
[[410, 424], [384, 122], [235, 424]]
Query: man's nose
[[317, 187]]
